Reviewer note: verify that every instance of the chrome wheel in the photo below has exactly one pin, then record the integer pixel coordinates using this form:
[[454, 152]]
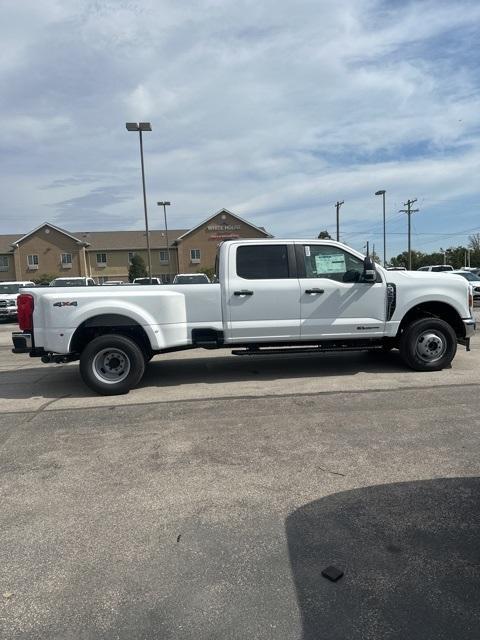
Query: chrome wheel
[[431, 346], [111, 365]]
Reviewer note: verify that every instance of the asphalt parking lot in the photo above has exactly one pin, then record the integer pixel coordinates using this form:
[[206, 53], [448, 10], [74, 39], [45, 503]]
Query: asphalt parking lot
[[206, 503]]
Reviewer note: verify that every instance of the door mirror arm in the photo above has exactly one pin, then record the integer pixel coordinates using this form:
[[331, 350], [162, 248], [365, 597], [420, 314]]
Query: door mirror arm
[[369, 271]]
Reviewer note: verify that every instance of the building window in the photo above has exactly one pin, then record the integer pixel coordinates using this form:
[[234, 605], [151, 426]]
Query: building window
[[4, 263], [262, 262], [101, 259], [163, 255], [32, 261], [195, 255], [66, 259], [130, 256]]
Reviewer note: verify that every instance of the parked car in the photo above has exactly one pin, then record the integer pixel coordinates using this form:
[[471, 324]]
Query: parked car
[[73, 282], [437, 268], [151, 280], [9, 292], [274, 296], [473, 279], [191, 278]]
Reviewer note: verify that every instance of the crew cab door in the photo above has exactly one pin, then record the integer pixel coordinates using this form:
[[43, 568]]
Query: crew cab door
[[334, 301], [262, 293]]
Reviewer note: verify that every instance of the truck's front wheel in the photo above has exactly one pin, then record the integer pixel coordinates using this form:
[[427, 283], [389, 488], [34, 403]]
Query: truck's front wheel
[[428, 344], [112, 364]]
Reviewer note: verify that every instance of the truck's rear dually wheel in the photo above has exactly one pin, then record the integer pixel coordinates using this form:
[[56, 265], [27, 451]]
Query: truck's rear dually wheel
[[112, 364], [428, 344]]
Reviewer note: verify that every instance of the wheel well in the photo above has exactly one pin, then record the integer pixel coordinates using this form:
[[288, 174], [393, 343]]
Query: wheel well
[[440, 310], [109, 323]]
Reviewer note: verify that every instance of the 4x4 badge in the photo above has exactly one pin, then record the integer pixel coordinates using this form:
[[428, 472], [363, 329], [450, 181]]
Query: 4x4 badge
[[68, 303]]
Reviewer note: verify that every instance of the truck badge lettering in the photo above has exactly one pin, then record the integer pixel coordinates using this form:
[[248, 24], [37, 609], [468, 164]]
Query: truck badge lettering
[[67, 303]]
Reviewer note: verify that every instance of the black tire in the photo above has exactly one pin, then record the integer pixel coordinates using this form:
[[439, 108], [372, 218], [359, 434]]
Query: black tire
[[428, 344], [110, 356]]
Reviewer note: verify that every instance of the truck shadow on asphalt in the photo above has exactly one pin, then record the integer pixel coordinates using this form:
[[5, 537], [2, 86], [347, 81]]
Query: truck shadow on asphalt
[[54, 381], [194, 370], [410, 553]]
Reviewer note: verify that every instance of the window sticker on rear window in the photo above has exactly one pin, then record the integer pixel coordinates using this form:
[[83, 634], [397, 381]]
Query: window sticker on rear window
[[333, 263]]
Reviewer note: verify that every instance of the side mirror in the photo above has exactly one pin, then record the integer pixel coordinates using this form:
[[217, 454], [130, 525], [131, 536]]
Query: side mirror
[[369, 271]]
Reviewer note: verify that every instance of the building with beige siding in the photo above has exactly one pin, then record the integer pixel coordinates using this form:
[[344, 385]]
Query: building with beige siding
[[106, 255]]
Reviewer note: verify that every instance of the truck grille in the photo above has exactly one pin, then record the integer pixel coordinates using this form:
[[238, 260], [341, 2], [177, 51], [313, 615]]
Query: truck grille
[[3, 303]]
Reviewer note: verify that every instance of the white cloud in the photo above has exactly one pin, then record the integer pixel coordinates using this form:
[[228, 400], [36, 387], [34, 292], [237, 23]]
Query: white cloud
[[272, 108]]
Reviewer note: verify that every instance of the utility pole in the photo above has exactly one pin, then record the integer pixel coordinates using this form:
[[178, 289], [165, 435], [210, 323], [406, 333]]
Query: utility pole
[[338, 205], [409, 212], [382, 193]]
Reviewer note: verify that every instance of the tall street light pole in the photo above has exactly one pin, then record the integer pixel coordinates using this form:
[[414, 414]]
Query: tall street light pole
[[382, 192], [166, 204], [141, 127]]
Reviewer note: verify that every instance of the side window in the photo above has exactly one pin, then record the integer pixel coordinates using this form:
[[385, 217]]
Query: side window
[[262, 262], [322, 261]]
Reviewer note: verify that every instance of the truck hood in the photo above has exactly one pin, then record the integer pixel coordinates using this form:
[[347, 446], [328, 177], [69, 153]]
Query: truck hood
[[425, 276]]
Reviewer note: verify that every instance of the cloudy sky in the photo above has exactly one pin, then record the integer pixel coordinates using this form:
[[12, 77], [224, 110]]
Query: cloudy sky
[[272, 109]]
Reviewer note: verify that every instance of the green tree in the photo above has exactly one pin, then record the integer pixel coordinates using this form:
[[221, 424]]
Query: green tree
[[454, 256], [137, 268], [474, 242], [324, 235], [45, 278]]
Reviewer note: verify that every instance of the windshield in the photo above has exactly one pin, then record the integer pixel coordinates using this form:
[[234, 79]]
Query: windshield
[[68, 282], [10, 288], [191, 280], [468, 276]]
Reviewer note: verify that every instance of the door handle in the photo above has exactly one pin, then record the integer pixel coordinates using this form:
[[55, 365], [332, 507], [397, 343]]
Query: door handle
[[243, 292], [313, 291]]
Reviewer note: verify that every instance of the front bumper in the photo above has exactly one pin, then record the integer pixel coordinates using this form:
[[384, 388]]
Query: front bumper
[[470, 326]]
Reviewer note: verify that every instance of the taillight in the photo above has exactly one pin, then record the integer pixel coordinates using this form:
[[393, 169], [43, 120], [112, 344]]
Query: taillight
[[25, 306]]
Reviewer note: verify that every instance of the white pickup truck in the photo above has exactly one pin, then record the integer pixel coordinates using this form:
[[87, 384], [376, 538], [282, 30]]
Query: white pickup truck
[[271, 296]]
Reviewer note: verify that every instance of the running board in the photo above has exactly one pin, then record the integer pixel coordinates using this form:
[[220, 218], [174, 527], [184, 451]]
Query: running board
[[267, 351]]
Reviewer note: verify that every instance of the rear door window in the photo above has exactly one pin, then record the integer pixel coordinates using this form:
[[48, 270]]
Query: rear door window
[[263, 262]]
